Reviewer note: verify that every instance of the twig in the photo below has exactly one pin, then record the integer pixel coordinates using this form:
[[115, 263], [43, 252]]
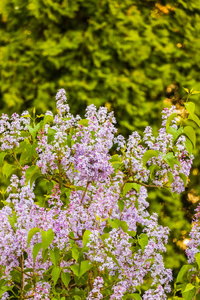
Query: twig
[[23, 277], [85, 191]]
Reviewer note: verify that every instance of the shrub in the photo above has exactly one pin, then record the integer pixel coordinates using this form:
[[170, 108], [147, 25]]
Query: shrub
[[89, 234]]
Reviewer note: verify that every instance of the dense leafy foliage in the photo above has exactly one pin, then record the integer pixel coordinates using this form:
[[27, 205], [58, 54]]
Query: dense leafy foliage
[[89, 235]]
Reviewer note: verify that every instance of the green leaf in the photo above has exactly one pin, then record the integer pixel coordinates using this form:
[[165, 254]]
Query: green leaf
[[116, 166], [47, 238], [31, 233], [85, 266], [75, 269], [194, 118], [2, 156], [54, 255], [186, 90], [5, 288], [8, 170], [149, 154], [114, 223], [75, 253], [153, 169], [197, 257], [115, 158], [132, 296], [47, 119], [77, 297], [129, 186], [182, 272], [131, 233], [169, 119], [184, 178], [45, 254], [33, 131], [36, 249], [175, 133], [86, 237], [190, 133], [84, 122], [171, 160], [105, 236], [190, 106], [50, 135], [170, 177], [121, 205], [188, 146], [55, 274], [27, 155], [124, 226], [189, 292], [143, 241], [195, 92], [66, 278], [32, 173]]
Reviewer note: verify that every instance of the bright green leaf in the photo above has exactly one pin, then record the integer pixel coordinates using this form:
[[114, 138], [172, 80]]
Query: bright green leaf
[[194, 118], [31, 233], [114, 223], [55, 274], [86, 237], [190, 133], [143, 241], [85, 266], [36, 249], [182, 272], [188, 146], [184, 178], [66, 278], [121, 205], [190, 106], [84, 122], [197, 257], [75, 253], [75, 269], [189, 292], [8, 170], [124, 226], [149, 154], [2, 156], [169, 119], [186, 90]]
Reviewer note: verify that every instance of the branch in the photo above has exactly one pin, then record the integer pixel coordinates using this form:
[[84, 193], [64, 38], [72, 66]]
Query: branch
[[85, 191], [143, 184], [23, 277]]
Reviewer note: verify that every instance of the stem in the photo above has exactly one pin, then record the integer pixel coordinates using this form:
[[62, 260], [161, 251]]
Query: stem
[[20, 270], [60, 175], [23, 277], [15, 157], [143, 184], [85, 191]]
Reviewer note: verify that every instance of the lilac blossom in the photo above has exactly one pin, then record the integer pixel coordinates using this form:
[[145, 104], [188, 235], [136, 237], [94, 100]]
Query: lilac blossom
[[75, 155]]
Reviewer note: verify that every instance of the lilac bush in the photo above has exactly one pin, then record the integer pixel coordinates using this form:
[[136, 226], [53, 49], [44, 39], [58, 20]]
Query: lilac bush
[[75, 221]]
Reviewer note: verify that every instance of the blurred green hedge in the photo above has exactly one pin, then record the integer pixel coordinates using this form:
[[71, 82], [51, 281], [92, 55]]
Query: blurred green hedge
[[133, 56]]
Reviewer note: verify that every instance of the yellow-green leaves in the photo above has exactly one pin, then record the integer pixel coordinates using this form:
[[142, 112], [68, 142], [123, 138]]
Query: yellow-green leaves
[[190, 133], [32, 173], [148, 155], [171, 117], [143, 241]]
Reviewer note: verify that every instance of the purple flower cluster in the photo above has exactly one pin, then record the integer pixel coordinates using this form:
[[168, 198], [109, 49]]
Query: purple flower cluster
[[125, 241], [194, 243]]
